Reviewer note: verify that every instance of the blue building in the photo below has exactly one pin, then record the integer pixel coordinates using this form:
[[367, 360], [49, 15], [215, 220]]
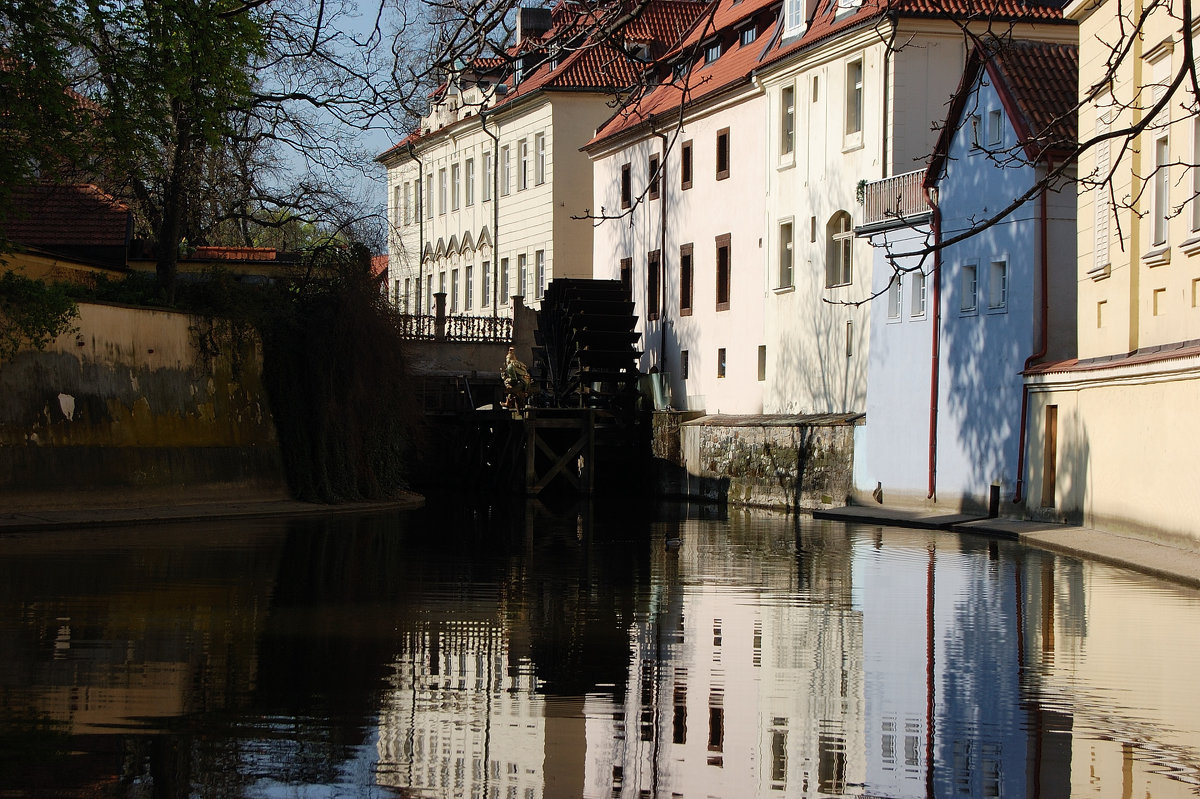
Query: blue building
[[970, 285]]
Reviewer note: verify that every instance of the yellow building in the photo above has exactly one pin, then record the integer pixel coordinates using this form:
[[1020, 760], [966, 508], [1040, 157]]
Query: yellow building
[[1113, 432]]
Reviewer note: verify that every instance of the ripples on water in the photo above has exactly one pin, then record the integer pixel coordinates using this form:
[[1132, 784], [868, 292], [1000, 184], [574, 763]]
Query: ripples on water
[[463, 652]]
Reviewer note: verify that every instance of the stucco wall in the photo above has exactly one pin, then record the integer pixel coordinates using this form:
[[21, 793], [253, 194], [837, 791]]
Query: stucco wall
[[130, 400], [782, 462]]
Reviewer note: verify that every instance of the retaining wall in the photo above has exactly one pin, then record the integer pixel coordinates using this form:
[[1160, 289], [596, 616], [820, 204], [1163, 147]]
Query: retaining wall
[[137, 398]]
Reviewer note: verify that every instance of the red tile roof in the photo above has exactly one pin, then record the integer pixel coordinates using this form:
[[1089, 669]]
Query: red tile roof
[[1037, 83], [75, 215], [234, 253], [597, 63], [724, 18]]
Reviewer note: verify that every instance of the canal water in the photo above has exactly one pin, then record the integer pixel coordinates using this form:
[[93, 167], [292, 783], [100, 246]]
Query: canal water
[[529, 652]]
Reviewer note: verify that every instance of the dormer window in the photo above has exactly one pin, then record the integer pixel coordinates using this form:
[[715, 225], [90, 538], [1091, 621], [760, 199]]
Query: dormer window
[[793, 18], [747, 35], [845, 7], [712, 51]]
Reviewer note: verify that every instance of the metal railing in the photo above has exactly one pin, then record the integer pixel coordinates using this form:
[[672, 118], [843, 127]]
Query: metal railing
[[895, 198]]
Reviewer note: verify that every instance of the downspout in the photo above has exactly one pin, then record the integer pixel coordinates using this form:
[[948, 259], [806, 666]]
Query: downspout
[[495, 137], [412, 153], [935, 348], [1043, 346], [662, 254], [887, 85]]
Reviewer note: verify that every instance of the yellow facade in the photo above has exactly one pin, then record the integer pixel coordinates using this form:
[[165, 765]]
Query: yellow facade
[[1113, 434]]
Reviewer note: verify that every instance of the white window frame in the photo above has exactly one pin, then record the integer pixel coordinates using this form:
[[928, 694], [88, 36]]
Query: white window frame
[[489, 177], [895, 293], [998, 285], [793, 18], [523, 272], [442, 190], [969, 285], [455, 186], [485, 284], [504, 287], [995, 128], [787, 122], [539, 260], [453, 290], [505, 170], [787, 254], [1160, 216], [470, 184], [429, 196], [855, 76], [919, 301], [1195, 173], [539, 158], [839, 250], [522, 164], [469, 288]]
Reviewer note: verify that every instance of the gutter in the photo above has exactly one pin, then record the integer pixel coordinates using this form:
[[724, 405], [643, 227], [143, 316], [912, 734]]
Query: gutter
[[1043, 267], [412, 153]]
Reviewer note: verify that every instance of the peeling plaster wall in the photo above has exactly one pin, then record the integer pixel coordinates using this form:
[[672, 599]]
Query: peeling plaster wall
[[778, 462], [130, 400]]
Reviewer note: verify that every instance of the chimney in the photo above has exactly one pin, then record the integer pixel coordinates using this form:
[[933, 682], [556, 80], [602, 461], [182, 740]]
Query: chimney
[[532, 22]]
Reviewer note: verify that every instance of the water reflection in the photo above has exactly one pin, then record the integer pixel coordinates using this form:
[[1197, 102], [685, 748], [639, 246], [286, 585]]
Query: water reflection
[[479, 652]]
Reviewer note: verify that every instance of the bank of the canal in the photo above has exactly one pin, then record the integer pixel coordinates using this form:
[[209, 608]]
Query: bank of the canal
[[1139, 554]]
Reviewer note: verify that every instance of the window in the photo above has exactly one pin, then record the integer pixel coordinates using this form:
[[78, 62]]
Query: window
[[522, 274], [969, 289], [455, 183], [998, 286], [1100, 197], [626, 185], [653, 284], [627, 275], [854, 97], [441, 282], [762, 362], [785, 254], [489, 176], [505, 287], [539, 158], [442, 190], [893, 298], [793, 18], [723, 269], [1162, 194], [683, 370], [747, 35], [712, 51], [816, 85], [505, 170], [721, 362], [469, 288], [398, 209], [485, 284], [453, 290], [653, 172], [917, 305], [995, 127], [407, 293], [685, 165], [839, 245], [787, 120], [429, 292], [1196, 173], [522, 165], [722, 153], [470, 200], [685, 280], [539, 264], [976, 131], [429, 196]]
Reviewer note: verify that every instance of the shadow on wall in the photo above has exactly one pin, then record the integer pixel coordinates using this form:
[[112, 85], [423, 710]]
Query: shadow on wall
[[1058, 454], [822, 366]]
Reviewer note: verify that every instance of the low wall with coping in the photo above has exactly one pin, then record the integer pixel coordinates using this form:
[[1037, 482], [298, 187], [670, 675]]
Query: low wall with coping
[[779, 461]]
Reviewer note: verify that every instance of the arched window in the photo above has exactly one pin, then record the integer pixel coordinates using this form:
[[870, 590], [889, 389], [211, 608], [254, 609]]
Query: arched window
[[839, 246]]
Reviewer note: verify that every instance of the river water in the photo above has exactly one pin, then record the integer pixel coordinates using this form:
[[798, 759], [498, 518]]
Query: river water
[[525, 652]]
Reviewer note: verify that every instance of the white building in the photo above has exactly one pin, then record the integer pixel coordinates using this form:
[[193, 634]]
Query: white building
[[768, 117], [488, 199]]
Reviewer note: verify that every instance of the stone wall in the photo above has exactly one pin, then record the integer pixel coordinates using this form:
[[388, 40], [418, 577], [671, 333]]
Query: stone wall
[[794, 462], [137, 398]]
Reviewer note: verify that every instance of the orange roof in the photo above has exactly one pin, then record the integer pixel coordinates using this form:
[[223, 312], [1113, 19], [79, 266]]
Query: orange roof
[[725, 18], [48, 215], [234, 253]]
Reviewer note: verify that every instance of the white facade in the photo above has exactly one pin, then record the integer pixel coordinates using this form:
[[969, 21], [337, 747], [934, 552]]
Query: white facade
[[708, 328], [489, 207]]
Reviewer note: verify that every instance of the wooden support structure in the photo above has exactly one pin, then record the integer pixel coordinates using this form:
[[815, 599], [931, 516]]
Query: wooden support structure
[[566, 440]]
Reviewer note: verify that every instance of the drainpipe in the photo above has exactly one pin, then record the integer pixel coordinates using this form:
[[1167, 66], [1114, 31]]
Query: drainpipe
[[887, 85], [412, 153], [662, 254], [495, 137], [1043, 268], [935, 348]]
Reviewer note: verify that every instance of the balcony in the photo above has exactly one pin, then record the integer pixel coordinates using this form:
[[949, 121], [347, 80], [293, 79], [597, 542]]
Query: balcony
[[894, 201]]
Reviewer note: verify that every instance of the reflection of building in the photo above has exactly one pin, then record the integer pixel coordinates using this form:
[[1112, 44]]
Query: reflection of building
[[733, 692], [462, 718]]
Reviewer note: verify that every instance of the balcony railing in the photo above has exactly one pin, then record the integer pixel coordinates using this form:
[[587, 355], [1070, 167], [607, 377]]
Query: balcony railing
[[475, 329], [895, 199]]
